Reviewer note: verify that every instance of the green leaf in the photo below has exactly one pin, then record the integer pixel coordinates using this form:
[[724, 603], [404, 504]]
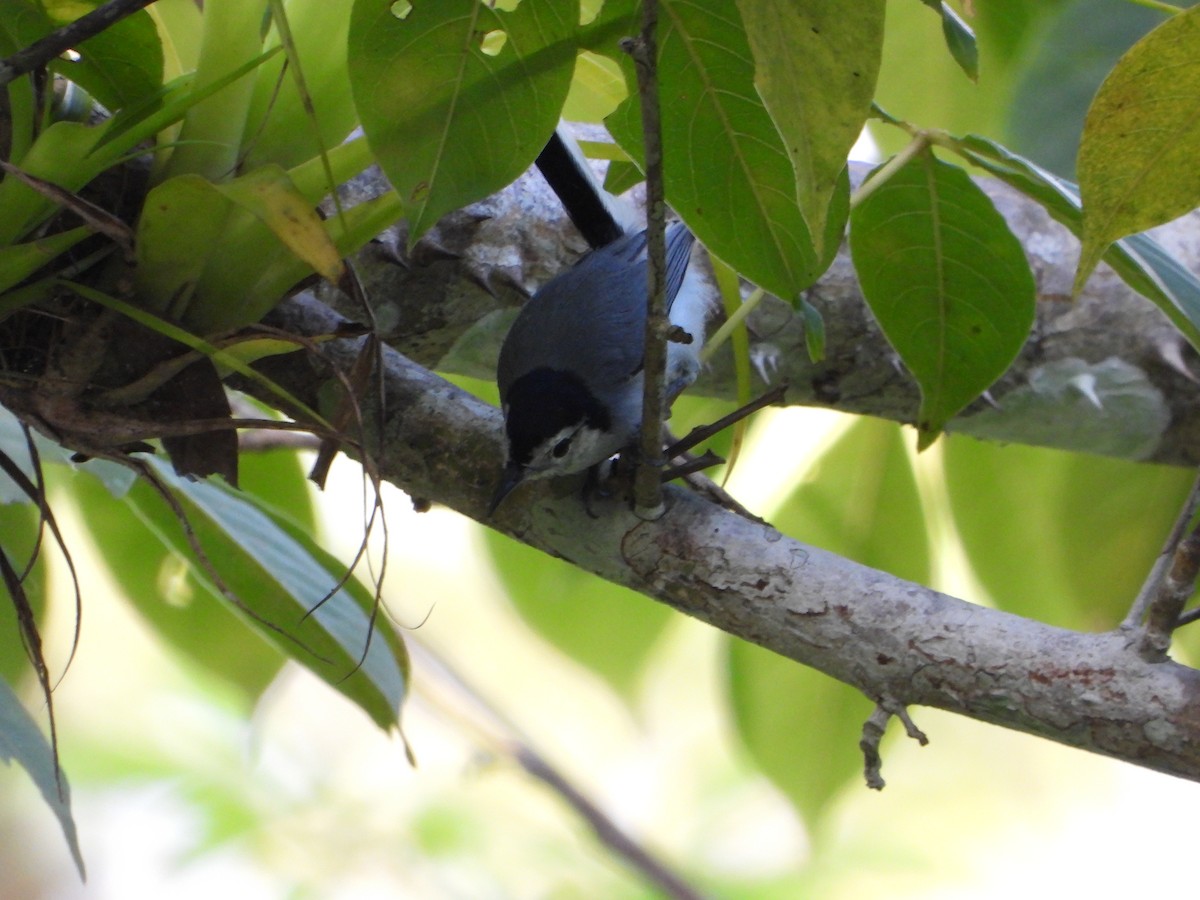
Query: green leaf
[[947, 281], [1139, 260], [170, 593], [180, 26], [269, 194], [19, 529], [726, 169], [815, 69], [281, 126], [860, 500], [609, 629], [801, 727], [960, 39], [210, 142], [458, 98], [120, 65], [182, 222], [279, 575], [22, 740], [621, 176], [60, 155], [213, 264], [19, 261], [1137, 156], [1063, 538]]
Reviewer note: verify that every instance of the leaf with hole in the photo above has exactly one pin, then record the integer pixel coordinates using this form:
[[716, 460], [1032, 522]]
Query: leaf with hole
[[457, 98]]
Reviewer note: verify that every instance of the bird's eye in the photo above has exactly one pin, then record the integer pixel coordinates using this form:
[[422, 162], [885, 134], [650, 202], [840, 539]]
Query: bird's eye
[[561, 448]]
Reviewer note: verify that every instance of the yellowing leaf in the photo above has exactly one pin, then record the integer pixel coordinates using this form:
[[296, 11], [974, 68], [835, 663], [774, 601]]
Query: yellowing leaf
[[1137, 159], [269, 194]]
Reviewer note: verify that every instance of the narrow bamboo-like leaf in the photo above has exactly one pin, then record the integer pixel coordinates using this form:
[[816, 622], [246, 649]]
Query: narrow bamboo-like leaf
[[345, 161], [19, 261], [170, 594], [269, 194], [147, 118], [458, 98], [27, 295], [621, 176], [947, 281], [180, 26], [726, 169], [1143, 264], [815, 69], [60, 156], [361, 224], [280, 575], [22, 740], [1137, 159]]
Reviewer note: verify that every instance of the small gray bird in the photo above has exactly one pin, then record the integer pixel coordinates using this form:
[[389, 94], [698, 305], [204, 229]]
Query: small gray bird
[[570, 371]]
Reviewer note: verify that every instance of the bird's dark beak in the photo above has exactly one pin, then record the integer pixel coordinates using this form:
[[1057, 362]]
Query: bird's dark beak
[[514, 472]]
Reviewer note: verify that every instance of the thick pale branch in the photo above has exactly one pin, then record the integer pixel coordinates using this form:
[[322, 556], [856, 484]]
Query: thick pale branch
[[1107, 374], [900, 643]]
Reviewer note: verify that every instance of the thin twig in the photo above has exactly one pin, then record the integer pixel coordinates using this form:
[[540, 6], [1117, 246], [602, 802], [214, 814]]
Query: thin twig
[[703, 432], [496, 731], [647, 483], [1177, 585], [883, 174], [256, 441], [38, 54], [604, 827], [1159, 571], [872, 735]]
